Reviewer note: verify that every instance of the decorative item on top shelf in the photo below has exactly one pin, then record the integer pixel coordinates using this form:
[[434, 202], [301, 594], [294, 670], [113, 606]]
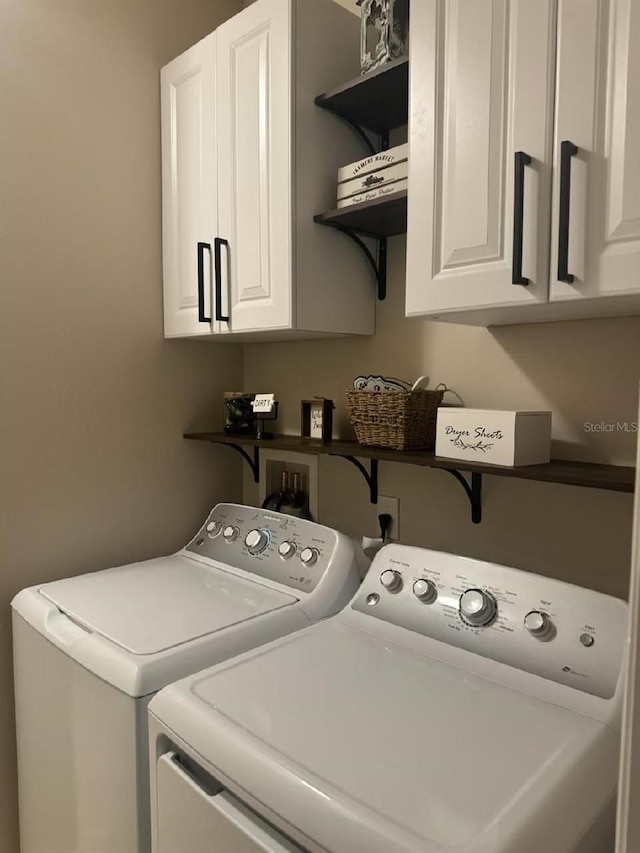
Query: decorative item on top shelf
[[265, 408], [238, 413], [379, 175], [401, 418], [508, 438], [384, 32], [380, 383], [316, 419]]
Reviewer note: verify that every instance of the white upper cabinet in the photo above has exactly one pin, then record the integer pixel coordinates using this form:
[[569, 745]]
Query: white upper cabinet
[[524, 199], [596, 209], [255, 145], [479, 168], [248, 159], [189, 188]]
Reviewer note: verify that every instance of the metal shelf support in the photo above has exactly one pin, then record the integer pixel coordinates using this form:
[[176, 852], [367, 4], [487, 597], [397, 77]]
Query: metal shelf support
[[473, 491], [472, 487], [254, 463], [378, 265], [371, 476], [369, 144]]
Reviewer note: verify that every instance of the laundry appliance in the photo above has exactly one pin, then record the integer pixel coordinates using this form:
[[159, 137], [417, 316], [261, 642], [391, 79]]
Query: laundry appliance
[[453, 706], [91, 651]]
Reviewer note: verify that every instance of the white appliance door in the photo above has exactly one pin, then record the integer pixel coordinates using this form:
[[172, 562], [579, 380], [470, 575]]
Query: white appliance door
[[150, 607], [194, 820], [628, 831]]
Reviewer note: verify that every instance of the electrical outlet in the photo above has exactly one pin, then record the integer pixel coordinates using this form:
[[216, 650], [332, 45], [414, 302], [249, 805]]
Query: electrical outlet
[[392, 507]]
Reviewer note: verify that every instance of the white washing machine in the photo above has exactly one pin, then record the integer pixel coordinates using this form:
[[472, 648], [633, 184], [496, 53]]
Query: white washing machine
[[91, 651], [454, 705]]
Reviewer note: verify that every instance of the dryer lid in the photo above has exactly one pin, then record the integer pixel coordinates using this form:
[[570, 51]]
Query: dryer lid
[[150, 607], [364, 744]]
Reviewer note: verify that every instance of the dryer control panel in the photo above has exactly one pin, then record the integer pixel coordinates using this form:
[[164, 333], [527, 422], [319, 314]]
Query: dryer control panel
[[559, 631], [282, 548]]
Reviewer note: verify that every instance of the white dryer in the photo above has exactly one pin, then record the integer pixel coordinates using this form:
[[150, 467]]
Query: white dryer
[[454, 706], [91, 651]]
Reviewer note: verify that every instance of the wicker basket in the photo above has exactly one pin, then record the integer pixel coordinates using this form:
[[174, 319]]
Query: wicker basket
[[402, 420]]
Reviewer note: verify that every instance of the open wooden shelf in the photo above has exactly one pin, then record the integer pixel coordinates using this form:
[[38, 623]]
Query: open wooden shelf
[[591, 475], [378, 101], [615, 478], [381, 217]]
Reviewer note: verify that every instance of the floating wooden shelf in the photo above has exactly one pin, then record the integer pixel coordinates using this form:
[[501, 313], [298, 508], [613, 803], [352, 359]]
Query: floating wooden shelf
[[615, 478], [381, 217], [377, 102]]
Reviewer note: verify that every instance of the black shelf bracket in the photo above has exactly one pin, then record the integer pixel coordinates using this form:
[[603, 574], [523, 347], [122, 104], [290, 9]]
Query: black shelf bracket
[[473, 491], [254, 463], [378, 265], [371, 476], [371, 146]]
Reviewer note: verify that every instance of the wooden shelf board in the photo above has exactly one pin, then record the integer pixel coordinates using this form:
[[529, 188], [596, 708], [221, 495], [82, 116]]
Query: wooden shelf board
[[378, 101], [591, 475], [381, 217]]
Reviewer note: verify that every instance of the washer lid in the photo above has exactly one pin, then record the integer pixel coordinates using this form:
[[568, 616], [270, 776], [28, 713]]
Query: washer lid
[[149, 607], [365, 745]]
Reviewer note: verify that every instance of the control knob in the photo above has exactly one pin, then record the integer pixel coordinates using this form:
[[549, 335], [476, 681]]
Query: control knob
[[425, 591], [230, 533], [257, 540], [287, 549], [538, 624], [391, 580], [477, 607], [309, 556], [214, 528]]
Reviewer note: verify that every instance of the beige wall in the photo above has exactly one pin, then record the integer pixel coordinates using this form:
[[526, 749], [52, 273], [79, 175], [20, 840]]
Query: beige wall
[[582, 371], [93, 403]]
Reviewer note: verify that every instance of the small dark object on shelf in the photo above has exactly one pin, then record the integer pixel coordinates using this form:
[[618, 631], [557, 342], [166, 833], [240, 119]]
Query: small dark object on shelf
[[316, 419], [261, 418], [238, 413]]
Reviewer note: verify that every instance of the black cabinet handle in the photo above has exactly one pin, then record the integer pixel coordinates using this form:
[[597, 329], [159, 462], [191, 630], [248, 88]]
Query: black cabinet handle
[[521, 160], [217, 243], [202, 317], [567, 151]]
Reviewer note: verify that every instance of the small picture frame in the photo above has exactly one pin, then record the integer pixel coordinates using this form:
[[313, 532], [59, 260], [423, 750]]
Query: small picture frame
[[316, 420]]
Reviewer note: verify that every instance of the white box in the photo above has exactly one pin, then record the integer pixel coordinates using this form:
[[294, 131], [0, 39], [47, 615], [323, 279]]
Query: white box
[[374, 162], [370, 195], [374, 180], [494, 437]]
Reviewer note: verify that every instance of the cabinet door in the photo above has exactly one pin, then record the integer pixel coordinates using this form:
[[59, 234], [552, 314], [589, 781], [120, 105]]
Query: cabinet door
[[480, 114], [254, 147], [596, 207], [189, 189]]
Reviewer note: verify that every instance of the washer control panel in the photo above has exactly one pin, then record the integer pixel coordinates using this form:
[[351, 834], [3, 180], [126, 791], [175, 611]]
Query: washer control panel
[[288, 550], [559, 631]]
